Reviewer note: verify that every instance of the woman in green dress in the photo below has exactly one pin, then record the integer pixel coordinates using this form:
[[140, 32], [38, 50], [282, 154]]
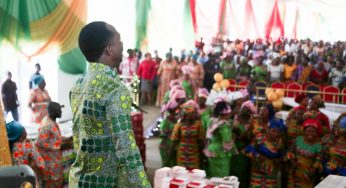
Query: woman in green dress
[[187, 84], [220, 146], [166, 128], [242, 137]]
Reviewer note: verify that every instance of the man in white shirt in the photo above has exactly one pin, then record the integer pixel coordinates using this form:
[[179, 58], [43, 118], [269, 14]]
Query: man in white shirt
[[128, 67]]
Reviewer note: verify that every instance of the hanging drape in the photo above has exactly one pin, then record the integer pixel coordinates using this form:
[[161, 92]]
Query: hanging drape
[[51, 23], [142, 17]]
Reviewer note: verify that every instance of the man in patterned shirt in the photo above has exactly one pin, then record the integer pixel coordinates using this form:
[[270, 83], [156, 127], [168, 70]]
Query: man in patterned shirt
[[107, 154]]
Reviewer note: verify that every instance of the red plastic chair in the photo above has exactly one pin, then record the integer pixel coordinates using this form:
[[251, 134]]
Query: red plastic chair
[[278, 85], [232, 83], [332, 98], [244, 84], [344, 96], [293, 86]]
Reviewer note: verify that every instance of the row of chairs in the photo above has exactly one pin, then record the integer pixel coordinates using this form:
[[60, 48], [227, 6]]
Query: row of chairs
[[329, 93]]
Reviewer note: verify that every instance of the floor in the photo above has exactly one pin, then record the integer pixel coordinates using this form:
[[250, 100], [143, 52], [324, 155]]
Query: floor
[[153, 161]]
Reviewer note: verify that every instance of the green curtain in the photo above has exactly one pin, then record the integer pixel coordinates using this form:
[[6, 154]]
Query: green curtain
[[51, 22], [142, 15]]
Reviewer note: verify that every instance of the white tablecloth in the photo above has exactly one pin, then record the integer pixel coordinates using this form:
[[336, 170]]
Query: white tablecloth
[[332, 181], [332, 110]]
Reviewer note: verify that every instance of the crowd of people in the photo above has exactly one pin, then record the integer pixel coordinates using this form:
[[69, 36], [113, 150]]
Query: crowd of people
[[233, 136], [43, 154]]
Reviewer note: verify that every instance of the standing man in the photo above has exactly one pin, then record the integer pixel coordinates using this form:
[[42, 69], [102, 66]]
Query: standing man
[[147, 73], [128, 67], [107, 154], [9, 96], [37, 73]]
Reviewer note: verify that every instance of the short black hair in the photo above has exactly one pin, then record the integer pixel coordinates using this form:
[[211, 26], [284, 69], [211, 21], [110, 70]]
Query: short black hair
[[93, 39], [53, 107]]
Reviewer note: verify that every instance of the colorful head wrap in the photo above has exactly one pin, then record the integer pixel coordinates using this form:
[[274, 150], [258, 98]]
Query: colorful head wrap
[[38, 79], [319, 101], [203, 92], [249, 105], [179, 94], [195, 56], [186, 69], [174, 89], [313, 123], [228, 109], [14, 130], [300, 98], [190, 106], [172, 104], [278, 124], [173, 83]]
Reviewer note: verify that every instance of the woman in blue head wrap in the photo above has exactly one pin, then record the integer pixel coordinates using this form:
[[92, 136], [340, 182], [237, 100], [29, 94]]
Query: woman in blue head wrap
[[266, 152], [22, 150], [39, 99]]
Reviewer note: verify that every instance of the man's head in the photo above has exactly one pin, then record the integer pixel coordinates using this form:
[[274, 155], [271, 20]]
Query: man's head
[[9, 75], [100, 42], [54, 110], [148, 56], [38, 67]]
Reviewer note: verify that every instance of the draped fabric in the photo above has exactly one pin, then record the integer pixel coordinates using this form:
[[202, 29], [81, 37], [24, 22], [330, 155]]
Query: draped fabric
[[189, 21], [222, 18], [274, 22], [142, 17], [51, 23]]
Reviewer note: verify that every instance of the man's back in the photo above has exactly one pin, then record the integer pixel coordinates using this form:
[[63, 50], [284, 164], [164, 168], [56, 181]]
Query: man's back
[[103, 136], [9, 94]]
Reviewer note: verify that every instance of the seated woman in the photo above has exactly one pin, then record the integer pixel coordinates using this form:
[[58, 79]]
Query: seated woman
[[48, 144], [188, 137], [39, 99], [23, 151]]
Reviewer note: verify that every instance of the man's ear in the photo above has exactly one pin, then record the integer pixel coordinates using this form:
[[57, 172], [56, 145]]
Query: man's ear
[[109, 50]]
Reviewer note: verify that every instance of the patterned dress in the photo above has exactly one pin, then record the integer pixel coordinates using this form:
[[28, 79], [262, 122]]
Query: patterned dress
[[294, 127], [308, 162], [40, 100], [48, 144], [265, 157], [166, 144], [219, 148], [107, 154], [189, 138], [167, 72], [337, 162], [25, 153]]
